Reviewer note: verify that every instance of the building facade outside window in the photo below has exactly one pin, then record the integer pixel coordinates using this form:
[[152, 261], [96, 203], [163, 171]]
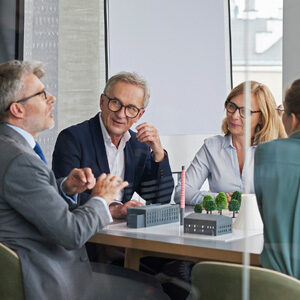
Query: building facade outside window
[[265, 43]]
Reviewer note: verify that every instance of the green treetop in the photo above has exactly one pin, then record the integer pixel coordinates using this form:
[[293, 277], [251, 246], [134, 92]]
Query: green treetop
[[205, 198], [198, 208], [237, 196], [234, 206], [221, 202], [210, 205]]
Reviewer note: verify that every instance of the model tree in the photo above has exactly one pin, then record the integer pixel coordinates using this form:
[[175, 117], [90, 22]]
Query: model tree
[[209, 206], [205, 198], [221, 202], [237, 196], [234, 206], [198, 208]]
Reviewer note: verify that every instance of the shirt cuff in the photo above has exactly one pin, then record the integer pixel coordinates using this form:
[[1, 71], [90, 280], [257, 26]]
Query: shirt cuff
[[73, 199], [115, 202], [106, 207]]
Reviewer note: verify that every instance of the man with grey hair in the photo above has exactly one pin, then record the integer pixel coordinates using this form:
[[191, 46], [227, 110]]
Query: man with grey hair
[[106, 144], [35, 220]]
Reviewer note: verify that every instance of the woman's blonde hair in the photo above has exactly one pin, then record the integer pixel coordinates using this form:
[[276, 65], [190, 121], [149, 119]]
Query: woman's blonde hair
[[270, 127]]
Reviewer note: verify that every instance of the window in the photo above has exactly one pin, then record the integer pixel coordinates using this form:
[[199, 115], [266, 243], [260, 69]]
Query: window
[[265, 43]]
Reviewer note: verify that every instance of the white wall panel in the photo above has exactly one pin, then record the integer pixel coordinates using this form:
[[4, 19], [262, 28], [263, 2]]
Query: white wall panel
[[41, 43], [182, 49], [291, 42]]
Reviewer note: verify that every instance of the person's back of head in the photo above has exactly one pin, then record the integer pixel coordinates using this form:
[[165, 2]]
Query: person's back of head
[[291, 116]]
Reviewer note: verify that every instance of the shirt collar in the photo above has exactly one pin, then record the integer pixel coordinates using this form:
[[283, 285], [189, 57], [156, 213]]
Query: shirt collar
[[125, 138], [228, 142], [26, 135]]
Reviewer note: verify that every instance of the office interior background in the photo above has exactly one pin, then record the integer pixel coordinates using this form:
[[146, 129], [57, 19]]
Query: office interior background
[[72, 37]]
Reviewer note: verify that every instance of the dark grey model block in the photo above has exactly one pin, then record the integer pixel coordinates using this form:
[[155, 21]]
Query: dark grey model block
[[207, 224], [136, 221], [150, 215]]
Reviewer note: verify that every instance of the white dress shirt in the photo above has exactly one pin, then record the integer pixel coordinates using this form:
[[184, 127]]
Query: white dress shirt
[[216, 161], [115, 156]]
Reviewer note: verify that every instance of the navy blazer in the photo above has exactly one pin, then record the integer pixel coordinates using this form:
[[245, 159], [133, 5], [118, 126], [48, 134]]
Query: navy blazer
[[82, 145]]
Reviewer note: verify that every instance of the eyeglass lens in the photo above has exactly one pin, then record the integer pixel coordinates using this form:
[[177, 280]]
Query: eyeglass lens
[[231, 108], [130, 110]]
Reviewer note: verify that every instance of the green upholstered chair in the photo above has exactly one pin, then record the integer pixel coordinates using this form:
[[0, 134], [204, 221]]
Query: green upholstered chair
[[11, 283], [214, 280]]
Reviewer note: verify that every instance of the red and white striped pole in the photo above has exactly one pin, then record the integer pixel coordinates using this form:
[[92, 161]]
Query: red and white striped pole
[[182, 196]]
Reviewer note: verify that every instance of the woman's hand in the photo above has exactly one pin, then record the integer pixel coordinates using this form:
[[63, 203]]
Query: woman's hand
[[228, 195]]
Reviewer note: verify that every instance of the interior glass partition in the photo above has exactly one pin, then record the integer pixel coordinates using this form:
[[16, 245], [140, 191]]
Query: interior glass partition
[[256, 44], [72, 38]]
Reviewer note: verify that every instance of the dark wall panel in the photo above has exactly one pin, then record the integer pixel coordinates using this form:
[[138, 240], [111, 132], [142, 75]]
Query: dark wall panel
[[11, 29]]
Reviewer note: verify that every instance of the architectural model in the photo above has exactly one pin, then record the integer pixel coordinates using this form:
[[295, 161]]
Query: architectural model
[[150, 215], [207, 224]]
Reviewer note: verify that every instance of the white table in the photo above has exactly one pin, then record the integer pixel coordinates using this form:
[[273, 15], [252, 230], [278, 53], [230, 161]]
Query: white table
[[169, 241]]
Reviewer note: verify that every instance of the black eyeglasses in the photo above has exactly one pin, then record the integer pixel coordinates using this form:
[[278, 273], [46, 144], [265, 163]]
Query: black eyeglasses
[[116, 105], [29, 97], [280, 109], [231, 108]]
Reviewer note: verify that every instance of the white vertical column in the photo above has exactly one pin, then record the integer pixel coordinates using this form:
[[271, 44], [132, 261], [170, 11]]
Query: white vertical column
[[247, 137], [41, 43], [81, 60], [291, 42]]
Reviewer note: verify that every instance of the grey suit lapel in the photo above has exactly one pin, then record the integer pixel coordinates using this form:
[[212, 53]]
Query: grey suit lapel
[[9, 134]]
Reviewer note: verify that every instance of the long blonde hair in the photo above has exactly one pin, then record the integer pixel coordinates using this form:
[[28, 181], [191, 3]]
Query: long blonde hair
[[271, 126]]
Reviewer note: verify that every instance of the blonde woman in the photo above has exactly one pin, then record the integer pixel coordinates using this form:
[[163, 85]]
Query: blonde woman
[[221, 158]]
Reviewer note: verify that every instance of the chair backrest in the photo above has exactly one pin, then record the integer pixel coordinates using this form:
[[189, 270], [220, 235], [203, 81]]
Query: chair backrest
[[11, 283], [214, 280]]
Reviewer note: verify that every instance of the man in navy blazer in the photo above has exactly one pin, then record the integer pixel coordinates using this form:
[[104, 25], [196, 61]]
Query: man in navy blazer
[[106, 144]]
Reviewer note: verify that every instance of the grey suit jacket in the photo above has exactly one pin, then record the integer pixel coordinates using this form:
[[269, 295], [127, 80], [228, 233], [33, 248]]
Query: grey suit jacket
[[35, 221]]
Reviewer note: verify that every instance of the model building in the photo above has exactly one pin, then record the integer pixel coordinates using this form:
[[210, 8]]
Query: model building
[[150, 215], [207, 224]]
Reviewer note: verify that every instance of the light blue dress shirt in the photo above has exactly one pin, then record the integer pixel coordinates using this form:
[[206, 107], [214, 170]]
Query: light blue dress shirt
[[26, 135], [216, 161]]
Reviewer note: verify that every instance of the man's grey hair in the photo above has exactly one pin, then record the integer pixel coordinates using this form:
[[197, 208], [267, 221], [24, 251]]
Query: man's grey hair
[[132, 78], [12, 81]]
